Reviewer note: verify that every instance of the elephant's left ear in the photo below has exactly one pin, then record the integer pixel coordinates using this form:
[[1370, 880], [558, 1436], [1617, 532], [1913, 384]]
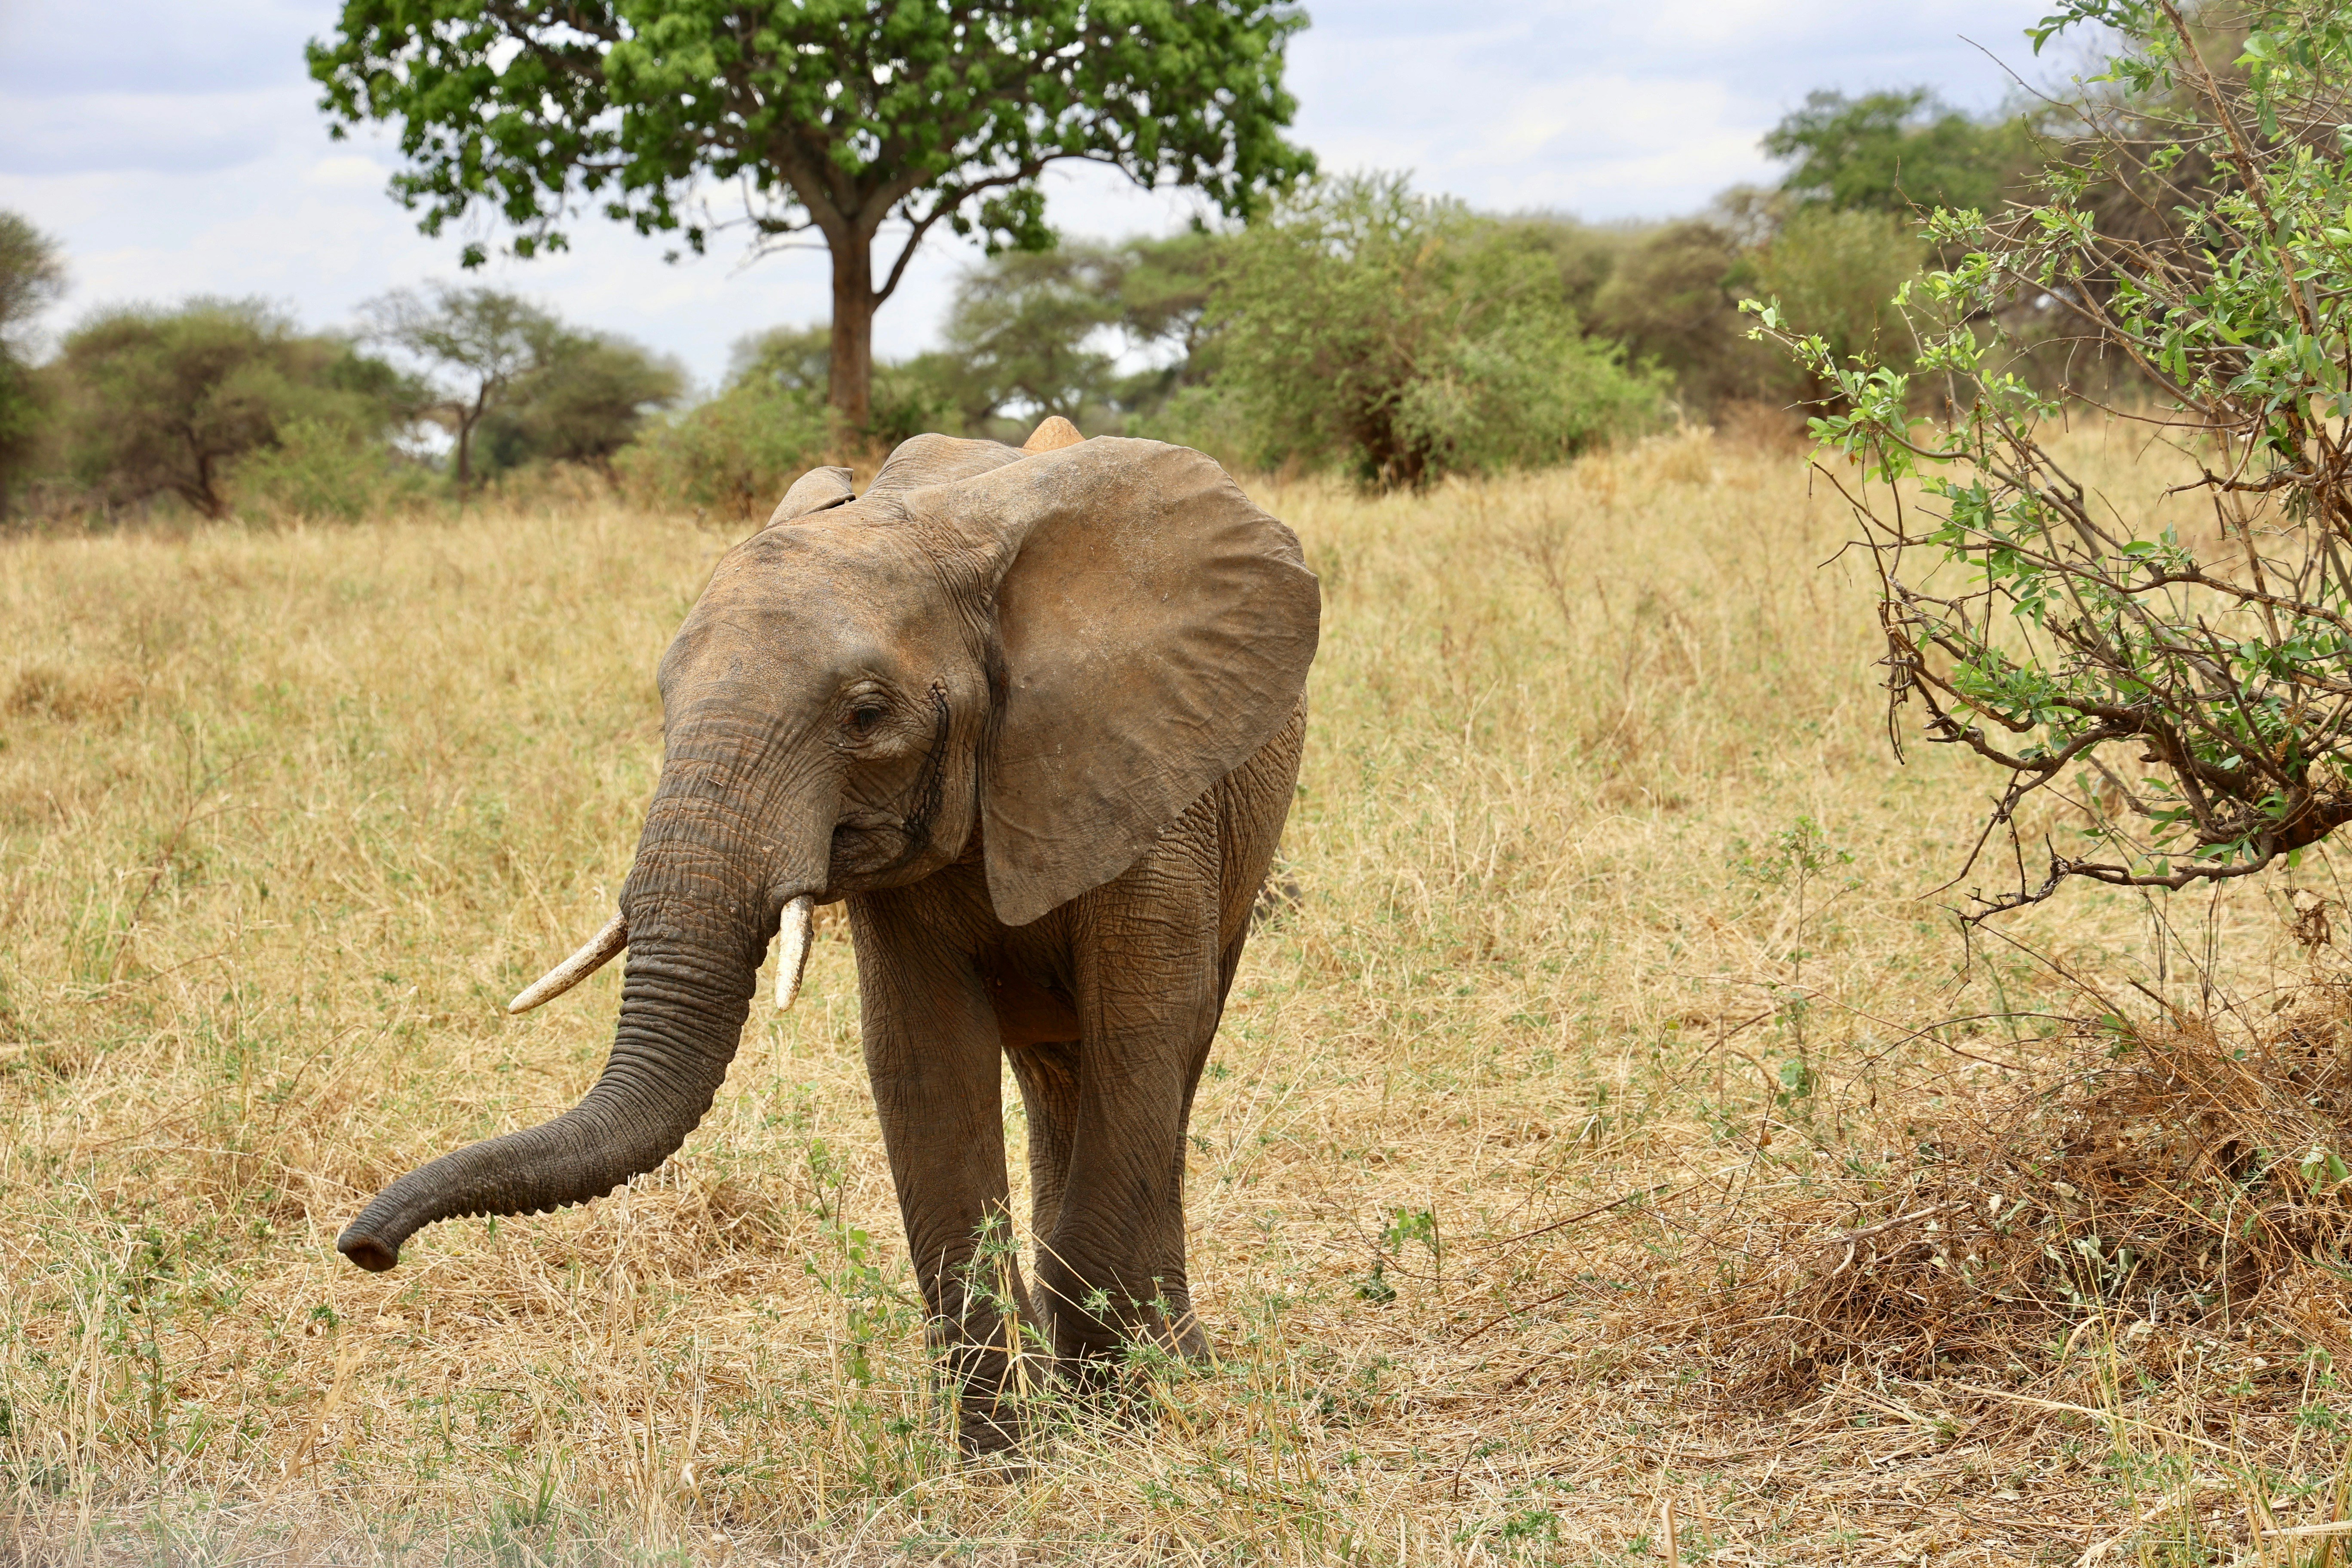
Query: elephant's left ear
[[1157, 628]]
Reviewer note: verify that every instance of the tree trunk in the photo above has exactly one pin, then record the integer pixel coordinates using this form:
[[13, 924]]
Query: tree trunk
[[466, 420], [207, 499], [850, 387], [200, 494]]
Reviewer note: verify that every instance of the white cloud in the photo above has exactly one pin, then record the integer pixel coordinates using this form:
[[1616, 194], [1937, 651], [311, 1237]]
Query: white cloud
[[346, 172], [153, 46]]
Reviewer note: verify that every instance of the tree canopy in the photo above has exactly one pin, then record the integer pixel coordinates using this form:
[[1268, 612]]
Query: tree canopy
[[1670, 299], [173, 400], [31, 277], [489, 340], [1028, 330], [835, 116], [521, 380], [589, 396], [1897, 152]]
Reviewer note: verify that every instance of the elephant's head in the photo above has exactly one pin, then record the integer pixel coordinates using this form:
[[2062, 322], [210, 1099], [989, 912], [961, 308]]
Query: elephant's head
[[1059, 649]]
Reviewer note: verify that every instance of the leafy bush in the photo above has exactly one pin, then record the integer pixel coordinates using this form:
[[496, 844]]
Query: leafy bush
[[1207, 418], [318, 468], [586, 398], [31, 276], [1402, 336], [1672, 300], [514, 385], [1028, 330], [910, 397], [1532, 391], [1835, 275], [788, 359], [926, 393], [1582, 257], [733, 455]]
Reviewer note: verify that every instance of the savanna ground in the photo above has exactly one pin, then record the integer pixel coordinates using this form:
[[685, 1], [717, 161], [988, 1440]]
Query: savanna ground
[[1587, 1171]]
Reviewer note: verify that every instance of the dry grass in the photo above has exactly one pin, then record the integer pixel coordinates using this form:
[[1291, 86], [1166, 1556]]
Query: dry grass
[[1513, 1175]]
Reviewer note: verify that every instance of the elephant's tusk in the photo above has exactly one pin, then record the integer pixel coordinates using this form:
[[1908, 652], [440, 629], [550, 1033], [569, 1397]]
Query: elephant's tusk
[[791, 958], [597, 953]]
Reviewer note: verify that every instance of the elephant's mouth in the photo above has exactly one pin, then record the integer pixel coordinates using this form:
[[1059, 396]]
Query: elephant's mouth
[[864, 851]]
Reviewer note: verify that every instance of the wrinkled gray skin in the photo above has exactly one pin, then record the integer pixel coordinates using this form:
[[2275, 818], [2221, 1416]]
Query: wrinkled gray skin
[[1036, 719]]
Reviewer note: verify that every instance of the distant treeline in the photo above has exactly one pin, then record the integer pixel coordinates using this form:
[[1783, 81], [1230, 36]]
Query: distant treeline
[[1359, 327]]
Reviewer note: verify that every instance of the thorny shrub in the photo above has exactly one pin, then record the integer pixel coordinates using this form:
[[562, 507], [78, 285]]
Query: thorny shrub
[[2190, 689]]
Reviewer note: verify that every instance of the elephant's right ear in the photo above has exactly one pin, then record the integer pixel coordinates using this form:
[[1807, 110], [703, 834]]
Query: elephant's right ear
[[819, 489], [1156, 629]]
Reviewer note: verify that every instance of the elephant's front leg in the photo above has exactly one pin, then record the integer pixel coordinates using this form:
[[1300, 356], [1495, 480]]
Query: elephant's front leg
[[932, 1051], [1149, 991]]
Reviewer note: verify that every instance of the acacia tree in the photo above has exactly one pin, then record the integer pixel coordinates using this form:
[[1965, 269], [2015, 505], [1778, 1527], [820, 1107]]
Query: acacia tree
[[591, 397], [1897, 152], [836, 116], [174, 401], [1406, 337], [1024, 329], [491, 341]]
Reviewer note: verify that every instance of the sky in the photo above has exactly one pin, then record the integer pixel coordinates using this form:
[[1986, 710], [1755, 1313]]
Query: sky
[[176, 149]]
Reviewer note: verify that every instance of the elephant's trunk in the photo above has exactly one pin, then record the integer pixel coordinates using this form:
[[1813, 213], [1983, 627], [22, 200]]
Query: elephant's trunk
[[681, 1018], [701, 903]]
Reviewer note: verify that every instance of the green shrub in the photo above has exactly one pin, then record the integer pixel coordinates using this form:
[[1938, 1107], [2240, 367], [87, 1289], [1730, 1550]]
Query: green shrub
[[1583, 257], [1674, 301], [1206, 418], [1028, 330], [1835, 275], [586, 398], [2180, 685], [731, 455], [909, 397], [172, 402], [31, 277], [1900, 152], [1405, 338], [320, 468]]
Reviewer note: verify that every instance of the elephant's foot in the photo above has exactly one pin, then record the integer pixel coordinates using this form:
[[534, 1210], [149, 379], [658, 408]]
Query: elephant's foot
[[1189, 1340], [1149, 1334], [996, 1390], [1121, 1382], [990, 1437]]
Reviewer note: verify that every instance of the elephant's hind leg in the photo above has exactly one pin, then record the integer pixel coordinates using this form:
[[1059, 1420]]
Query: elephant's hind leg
[[1047, 1072]]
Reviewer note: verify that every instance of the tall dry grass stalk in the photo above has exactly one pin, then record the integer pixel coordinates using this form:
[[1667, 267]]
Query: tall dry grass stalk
[[1609, 903]]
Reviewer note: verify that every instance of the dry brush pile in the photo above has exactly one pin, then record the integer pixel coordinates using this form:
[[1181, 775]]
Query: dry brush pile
[[2156, 1178]]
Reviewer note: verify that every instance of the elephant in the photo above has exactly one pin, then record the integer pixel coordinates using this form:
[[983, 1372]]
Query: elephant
[[1034, 716]]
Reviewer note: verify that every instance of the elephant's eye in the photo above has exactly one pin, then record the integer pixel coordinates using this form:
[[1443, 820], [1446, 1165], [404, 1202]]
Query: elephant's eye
[[866, 717]]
